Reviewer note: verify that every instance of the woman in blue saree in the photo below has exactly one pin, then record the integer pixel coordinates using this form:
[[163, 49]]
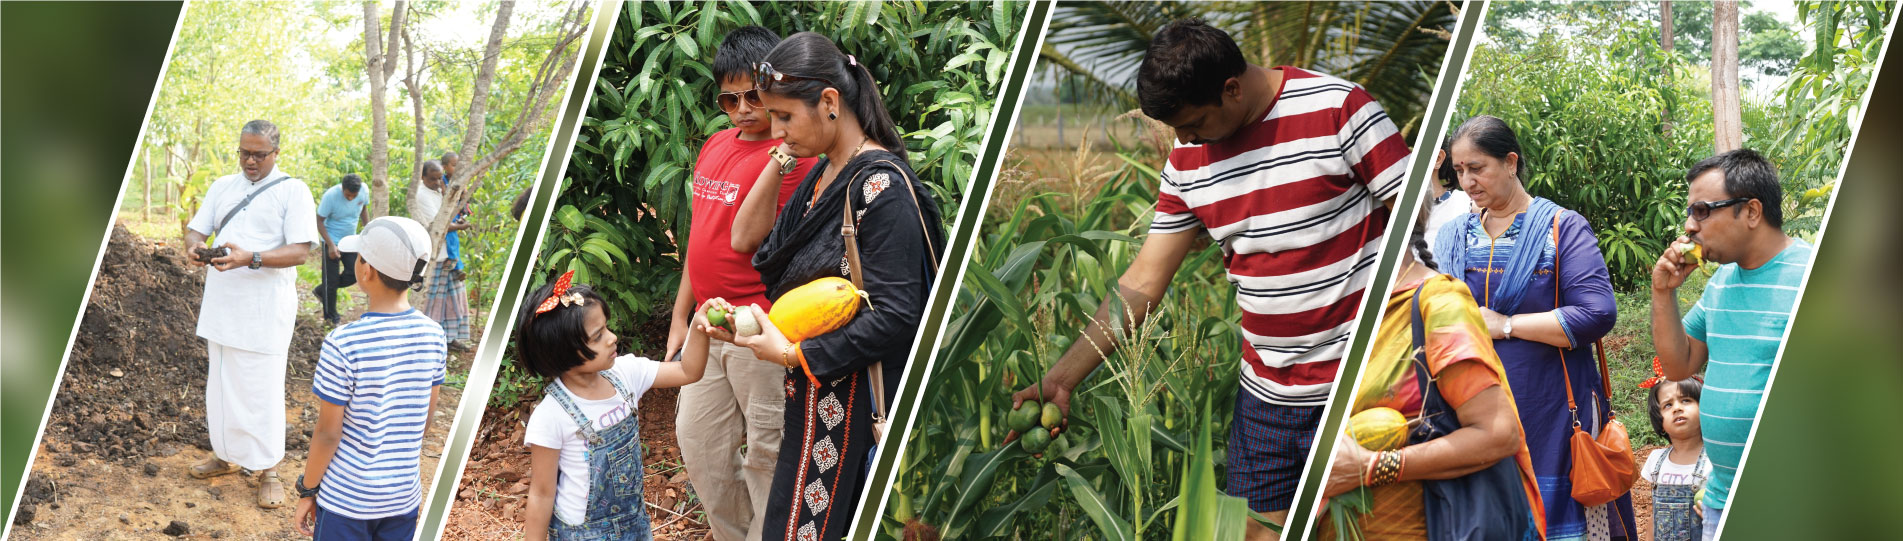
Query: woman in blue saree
[[1546, 297]]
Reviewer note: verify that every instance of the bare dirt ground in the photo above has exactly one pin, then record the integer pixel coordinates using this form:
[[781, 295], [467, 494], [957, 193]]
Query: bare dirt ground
[[493, 496], [128, 421]]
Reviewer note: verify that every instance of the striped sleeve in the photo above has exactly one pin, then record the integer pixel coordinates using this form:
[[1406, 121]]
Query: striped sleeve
[[333, 381], [1372, 145], [1172, 213]]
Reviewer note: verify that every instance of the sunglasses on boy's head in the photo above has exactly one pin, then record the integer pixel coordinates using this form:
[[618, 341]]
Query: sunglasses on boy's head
[[1702, 209], [730, 101], [764, 78]]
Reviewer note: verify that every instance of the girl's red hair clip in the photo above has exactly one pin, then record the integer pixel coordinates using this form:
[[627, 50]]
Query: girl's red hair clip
[[1658, 375], [560, 295]]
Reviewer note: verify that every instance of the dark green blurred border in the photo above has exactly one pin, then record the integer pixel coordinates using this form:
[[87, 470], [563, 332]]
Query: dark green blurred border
[[75, 82]]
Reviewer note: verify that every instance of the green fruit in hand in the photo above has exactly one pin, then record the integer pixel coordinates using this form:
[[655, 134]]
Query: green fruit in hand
[[1023, 418], [1052, 415], [717, 317], [1058, 445], [1036, 440]]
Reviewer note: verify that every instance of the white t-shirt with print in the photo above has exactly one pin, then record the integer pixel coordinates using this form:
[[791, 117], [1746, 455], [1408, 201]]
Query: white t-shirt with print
[[1673, 473], [550, 426]]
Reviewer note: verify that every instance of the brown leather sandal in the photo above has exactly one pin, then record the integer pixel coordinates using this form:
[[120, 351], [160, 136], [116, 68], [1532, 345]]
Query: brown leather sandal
[[213, 468]]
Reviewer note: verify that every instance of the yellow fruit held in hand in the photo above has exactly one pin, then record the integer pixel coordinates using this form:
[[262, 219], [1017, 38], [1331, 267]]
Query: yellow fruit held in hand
[[817, 308], [1379, 429], [1694, 253]]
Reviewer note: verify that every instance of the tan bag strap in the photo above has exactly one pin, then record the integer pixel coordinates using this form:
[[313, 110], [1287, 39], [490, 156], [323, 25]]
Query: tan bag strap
[[850, 231]]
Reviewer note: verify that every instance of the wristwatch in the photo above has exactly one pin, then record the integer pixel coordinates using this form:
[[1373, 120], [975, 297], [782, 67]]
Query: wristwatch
[[257, 260], [786, 161], [1508, 328], [306, 492]]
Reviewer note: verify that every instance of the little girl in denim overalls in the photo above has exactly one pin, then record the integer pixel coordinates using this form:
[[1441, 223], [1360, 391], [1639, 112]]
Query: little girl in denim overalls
[[1679, 471], [584, 442]]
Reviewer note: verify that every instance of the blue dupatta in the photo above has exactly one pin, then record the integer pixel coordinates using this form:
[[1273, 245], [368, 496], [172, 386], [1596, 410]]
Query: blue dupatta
[[1450, 250]]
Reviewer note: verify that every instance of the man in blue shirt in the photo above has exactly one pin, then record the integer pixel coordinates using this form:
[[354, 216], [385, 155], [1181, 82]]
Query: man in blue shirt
[[338, 213], [1733, 332]]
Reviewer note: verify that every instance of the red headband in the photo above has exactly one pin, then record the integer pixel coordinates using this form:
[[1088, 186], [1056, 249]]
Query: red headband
[[1658, 376], [560, 294]]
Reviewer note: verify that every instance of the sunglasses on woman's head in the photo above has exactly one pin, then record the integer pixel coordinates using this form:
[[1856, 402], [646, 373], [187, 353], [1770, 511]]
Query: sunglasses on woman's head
[[764, 77], [730, 101], [1702, 209]]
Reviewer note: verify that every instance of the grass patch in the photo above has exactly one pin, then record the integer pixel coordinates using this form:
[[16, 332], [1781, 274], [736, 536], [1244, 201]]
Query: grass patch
[[1629, 354]]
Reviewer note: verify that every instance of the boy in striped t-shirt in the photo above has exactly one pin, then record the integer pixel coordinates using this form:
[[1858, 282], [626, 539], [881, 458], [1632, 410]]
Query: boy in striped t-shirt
[[377, 377], [1732, 334], [1292, 172]]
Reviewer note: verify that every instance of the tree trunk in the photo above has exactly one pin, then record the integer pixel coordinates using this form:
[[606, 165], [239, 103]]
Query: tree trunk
[[1726, 112], [411, 82], [554, 70], [1665, 25], [379, 62], [145, 210], [1665, 72]]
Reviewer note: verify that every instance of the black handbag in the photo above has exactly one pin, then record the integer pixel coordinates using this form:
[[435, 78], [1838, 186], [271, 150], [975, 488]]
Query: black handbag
[[1489, 504]]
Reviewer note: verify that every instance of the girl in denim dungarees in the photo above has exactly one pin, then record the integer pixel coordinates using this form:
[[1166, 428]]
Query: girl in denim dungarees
[[1678, 471], [585, 446]]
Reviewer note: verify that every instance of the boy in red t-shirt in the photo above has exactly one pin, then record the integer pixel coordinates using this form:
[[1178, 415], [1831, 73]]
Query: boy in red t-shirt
[[740, 398]]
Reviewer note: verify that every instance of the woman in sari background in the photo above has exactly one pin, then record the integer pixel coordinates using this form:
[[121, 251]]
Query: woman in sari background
[[824, 103], [1546, 297]]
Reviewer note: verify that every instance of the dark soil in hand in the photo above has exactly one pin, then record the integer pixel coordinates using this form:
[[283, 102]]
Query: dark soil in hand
[[205, 255]]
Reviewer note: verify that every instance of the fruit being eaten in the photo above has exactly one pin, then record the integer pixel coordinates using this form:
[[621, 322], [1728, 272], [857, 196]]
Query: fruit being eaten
[[1379, 429], [1694, 253], [819, 307]]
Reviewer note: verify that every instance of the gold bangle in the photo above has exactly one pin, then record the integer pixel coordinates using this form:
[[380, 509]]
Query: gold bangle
[[786, 354]]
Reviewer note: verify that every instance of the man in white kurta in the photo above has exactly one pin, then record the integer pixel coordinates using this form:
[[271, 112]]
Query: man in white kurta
[[250, 307]]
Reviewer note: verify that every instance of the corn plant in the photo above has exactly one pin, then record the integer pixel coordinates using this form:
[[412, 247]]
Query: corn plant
[[1144, 457]]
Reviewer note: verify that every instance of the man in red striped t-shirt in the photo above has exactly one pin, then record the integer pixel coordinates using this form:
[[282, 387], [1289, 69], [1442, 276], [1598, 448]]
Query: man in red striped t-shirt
[[1292, 172]]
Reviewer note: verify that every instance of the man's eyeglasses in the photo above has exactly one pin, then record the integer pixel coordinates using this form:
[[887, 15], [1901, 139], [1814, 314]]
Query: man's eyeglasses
[[730, 101], [1702, 209], [764, 77], [249, 156]]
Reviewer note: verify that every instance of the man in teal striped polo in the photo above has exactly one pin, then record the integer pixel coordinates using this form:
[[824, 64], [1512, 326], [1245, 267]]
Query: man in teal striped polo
[[1734, 331]]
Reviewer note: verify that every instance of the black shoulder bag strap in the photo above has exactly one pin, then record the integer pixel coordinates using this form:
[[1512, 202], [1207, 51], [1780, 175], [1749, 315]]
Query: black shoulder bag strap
[[241, 206]]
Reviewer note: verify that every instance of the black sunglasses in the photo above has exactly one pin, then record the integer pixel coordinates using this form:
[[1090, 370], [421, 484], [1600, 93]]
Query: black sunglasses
[[730, 101], [764, 78], [1702, 209]]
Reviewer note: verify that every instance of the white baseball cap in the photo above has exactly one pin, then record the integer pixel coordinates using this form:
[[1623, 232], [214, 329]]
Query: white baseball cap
[[394, 245]]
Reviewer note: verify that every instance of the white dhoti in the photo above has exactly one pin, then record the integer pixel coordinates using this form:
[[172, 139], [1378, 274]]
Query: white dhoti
[[244, 405]]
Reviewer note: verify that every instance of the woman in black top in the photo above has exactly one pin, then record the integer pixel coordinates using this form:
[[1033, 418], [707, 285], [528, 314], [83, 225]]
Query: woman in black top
[[825, 103]]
